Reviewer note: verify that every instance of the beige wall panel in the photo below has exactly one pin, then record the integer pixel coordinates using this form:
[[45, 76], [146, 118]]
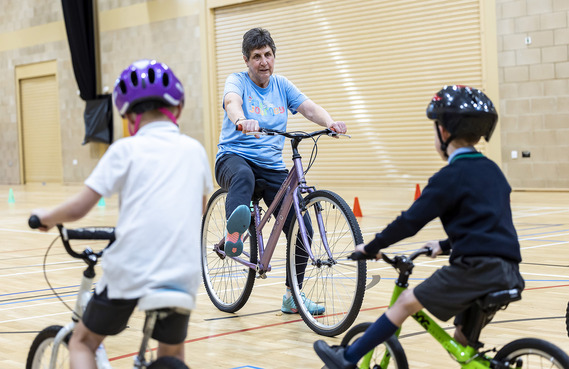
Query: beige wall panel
[[40, 130], [534, 88], [373, 64], [167, 30]]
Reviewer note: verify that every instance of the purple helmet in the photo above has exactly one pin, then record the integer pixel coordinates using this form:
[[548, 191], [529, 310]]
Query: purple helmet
[[147, 80]]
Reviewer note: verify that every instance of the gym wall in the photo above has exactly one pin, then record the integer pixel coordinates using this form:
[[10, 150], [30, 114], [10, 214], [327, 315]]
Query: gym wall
[[533, 41], [372, 63], [32, 31]]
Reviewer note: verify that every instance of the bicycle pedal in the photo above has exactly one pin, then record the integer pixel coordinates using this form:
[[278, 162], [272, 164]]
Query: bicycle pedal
[[262, 276]]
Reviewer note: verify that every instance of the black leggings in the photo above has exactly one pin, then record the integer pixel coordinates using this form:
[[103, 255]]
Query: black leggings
[[237, 175]]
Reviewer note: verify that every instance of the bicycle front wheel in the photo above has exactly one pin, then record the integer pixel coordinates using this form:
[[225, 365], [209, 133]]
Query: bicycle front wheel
[[168, 362], [328, 290], [39, 355], [390, 353], [532, 353], [227, 282]]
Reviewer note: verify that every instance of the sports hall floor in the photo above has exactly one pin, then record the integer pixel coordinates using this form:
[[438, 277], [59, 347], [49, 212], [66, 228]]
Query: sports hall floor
[[260, 336]]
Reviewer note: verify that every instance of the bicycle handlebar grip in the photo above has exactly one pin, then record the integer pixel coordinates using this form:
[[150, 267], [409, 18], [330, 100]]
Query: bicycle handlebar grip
[[34, 222], [238, 127], [95, 233]]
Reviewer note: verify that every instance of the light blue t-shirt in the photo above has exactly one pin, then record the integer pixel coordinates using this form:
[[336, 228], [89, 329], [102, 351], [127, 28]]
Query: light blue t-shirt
[[269, 106]]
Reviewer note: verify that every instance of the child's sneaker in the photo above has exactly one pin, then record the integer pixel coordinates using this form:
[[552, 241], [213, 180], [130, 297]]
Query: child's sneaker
[[237, 225], [289, 307]]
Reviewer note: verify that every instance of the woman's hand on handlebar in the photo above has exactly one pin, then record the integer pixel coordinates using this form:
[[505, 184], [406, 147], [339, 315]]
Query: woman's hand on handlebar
[[435, 246], [338, 127], [249, 125]]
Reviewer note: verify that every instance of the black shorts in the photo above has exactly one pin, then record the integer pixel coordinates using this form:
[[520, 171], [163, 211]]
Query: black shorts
[[454, 288], [108, 317]]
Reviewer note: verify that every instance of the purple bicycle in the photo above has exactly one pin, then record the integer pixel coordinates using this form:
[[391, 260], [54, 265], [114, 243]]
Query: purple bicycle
[[327, 232]]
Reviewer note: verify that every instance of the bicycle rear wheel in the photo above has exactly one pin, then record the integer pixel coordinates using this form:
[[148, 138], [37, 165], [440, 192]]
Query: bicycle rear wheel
[[532, 353], [39, 355], [227, 282], [390, 353], [336, 284]]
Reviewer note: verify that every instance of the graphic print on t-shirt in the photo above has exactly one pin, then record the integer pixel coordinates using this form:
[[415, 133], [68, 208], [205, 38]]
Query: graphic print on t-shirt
[[264, 108]]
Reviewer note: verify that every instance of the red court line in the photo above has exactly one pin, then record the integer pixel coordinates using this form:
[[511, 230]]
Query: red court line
[[283, 323], [215, 336], [542, 288]]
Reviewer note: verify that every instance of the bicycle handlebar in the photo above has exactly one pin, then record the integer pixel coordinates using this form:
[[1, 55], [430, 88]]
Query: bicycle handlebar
[[358, 255], [294, 135], [90, 233]]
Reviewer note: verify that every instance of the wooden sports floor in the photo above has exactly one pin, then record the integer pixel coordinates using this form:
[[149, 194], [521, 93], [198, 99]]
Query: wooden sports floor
[[259, 335]]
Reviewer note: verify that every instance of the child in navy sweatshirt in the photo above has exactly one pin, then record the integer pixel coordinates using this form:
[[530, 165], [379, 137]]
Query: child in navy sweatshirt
[[471, 197]]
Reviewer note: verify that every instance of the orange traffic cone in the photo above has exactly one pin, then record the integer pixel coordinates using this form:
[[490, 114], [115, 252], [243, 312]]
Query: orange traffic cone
[[357, 210], [417, 191]]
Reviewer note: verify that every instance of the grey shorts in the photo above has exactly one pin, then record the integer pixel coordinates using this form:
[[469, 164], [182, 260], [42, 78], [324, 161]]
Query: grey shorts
[[109, 317], [454, 288]]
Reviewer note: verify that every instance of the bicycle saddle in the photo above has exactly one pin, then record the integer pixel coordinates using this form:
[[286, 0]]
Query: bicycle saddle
[[495, 300], [179, 301]]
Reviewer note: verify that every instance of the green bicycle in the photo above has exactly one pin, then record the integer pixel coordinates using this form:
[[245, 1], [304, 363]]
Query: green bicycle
[[526, 353]]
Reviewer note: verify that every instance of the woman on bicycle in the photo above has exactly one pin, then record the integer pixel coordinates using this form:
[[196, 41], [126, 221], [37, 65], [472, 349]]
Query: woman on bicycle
[[158, 231], [471, 197], [256, 98]]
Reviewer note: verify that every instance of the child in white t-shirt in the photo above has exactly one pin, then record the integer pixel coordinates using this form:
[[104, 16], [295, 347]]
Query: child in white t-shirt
[[162, 178]]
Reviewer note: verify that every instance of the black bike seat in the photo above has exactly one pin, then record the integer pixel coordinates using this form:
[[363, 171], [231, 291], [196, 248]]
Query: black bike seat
[[498, 299]]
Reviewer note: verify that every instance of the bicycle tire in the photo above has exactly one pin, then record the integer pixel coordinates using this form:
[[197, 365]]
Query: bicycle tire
[[39, 355], [567, 319], [533, 351], [391, 347], [228, 283], [337, 285], [167, 362]]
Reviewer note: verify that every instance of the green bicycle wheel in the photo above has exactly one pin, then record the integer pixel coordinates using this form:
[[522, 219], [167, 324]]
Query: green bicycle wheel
[[389, 354], [532, 353]]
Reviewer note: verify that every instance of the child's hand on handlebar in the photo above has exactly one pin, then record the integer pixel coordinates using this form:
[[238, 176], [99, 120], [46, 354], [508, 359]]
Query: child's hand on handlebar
[[435, 247], [41, 214], [361, 248]]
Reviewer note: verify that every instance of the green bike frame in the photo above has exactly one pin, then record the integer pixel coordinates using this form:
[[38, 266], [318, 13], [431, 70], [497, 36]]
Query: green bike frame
[[467, 356]]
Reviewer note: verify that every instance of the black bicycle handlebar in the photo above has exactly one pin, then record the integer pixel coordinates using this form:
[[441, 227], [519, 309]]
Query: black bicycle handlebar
[[358, 255], [90, 233], [294, 135]]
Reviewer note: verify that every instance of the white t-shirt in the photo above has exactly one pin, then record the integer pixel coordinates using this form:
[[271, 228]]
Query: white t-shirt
[[161, 177]]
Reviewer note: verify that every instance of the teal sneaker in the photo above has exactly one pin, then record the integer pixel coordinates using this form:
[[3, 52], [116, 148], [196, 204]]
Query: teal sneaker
[[289, 307], [237, 225]]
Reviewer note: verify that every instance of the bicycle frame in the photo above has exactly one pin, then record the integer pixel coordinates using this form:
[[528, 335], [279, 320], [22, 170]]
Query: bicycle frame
[[83, 296], [467, 356], [288, 195]]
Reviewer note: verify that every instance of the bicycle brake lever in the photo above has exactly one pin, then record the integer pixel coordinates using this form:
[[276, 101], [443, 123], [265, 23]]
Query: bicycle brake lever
[[335, 134]]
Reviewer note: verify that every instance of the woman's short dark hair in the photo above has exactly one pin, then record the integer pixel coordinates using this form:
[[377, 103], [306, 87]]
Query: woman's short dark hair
[[257, 38]]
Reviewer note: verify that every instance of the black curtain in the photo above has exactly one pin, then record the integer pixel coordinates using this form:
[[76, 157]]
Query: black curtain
[[99, 114], [80, 27], [79, 24]]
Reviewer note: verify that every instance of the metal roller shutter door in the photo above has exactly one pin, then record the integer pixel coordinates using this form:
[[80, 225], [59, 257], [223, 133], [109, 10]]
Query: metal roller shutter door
[[372, 64]]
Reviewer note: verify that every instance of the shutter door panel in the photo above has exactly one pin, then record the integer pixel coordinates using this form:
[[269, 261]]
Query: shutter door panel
[[372, 64], [41, 130]]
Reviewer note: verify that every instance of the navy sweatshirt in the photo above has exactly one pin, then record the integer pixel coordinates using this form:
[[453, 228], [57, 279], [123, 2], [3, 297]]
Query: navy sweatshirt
[[471, 196]]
